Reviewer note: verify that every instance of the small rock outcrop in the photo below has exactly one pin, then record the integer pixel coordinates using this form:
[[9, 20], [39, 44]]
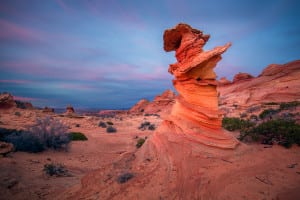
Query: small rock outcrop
[[161, 103], [69, 110], [7, 101], [242, 76], [224, 81], [139, 107], [195, 112], [48, 110]]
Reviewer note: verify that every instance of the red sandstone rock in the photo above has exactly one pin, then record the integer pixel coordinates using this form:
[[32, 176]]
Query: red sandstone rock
[[195, 112], [7, 101], [161, 104], [224, 81], [276, 83], [48, 110], [242, 76], [69, 110], [139, 107]]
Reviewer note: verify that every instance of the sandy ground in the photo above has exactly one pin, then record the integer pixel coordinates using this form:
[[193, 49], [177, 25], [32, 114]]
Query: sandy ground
[[252, 171]]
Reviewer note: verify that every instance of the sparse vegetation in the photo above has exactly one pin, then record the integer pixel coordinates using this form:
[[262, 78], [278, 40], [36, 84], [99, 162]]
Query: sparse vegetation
[[77, 136], [56, 169], [102, 124], [140, 142], [268, 113], [47, 133], [283, 132], [125, 177], [77, 125], [111, 129], [288, 105], [18, 114], [234, 123], [146, 125], [271, 103]]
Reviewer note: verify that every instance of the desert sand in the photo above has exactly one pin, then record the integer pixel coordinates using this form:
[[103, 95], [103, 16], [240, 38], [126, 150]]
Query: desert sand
[[252, 171]]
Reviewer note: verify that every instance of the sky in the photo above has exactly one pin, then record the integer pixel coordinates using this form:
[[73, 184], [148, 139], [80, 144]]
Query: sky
[[109, 54]]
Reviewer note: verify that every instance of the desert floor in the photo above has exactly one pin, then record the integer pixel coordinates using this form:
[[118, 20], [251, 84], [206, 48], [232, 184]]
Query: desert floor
[[255, 172]]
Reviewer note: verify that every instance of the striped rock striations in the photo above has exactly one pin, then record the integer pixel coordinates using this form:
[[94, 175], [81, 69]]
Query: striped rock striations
[[195, 112]]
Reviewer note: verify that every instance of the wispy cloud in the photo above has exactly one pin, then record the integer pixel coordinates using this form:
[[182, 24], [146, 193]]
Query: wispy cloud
[[10, 30], [16, 81]]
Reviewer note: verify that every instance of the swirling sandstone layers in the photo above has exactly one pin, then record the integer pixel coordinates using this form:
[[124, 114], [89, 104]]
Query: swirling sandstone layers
[[195, 112]]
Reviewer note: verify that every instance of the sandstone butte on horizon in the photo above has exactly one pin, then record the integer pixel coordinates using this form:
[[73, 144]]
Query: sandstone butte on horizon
[[195, 112]]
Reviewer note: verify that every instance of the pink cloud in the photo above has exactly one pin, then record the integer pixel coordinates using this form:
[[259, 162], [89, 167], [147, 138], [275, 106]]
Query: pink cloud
[[15, 81], [25, 98], [9, 30]]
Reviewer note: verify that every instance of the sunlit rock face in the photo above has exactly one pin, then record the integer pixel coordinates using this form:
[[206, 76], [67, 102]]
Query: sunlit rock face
[[196, 112]]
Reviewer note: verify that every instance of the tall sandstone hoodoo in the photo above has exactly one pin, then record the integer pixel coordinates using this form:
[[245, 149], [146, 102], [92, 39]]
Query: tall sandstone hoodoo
[[195, 112]]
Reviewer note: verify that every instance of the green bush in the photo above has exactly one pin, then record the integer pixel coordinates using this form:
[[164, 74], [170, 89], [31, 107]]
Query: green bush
[[140, 142], [76, 136], [284, 132], [111, 129], [288, 105], [268, 113], [234, 123]]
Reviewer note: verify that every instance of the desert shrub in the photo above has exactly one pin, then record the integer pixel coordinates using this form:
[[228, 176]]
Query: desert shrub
[[111, 129], [140, 142], [234, 123], [55, 169], [146, 125], [123, 178], [243, 115], [102, 124], [271, 103], [18, 114], [267, 113], [4, 132], [46, 133], [253, 117], [283, 132], [288, 105], [77, 125], [151, 127], [25, 141], [110, 123], [76, 136]]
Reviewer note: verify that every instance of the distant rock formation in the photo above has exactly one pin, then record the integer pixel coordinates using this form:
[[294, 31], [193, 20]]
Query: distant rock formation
[[161, 104], [69, 110], [48, 110], [23, 105], [276, 83], [195, 112], [224, 81], [139, 107], [7, 101], [242, 76]]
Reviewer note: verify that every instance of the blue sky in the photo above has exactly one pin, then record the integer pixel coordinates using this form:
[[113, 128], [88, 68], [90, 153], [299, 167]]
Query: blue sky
[[109, 54]]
